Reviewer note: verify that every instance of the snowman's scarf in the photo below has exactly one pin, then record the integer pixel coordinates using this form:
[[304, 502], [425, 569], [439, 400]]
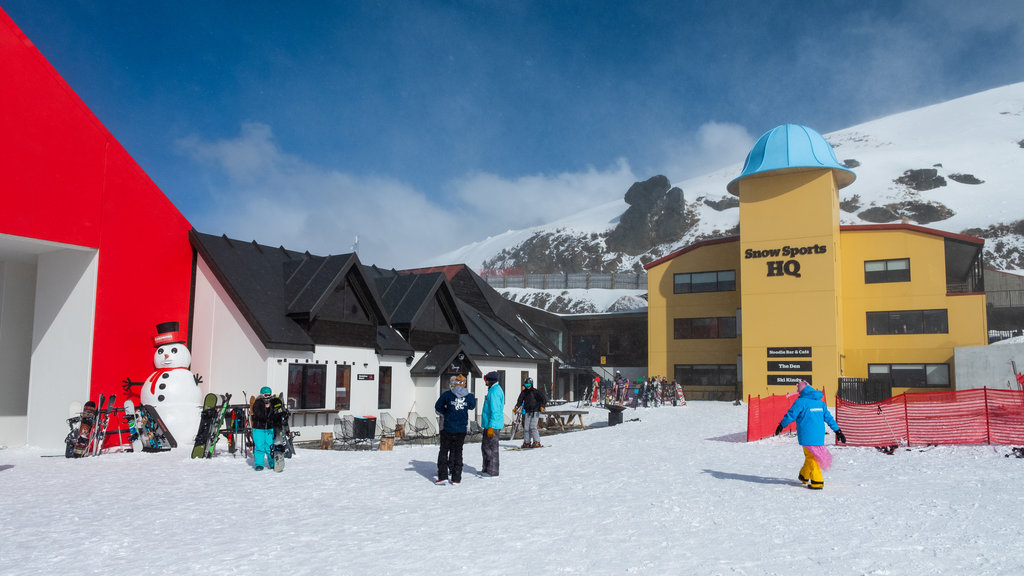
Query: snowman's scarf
[[155, 376]]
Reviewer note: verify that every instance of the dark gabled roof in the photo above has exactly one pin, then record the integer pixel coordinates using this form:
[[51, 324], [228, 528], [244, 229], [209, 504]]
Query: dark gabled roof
[[406, 296], [488, 338], [439, 358], [518, 319], [275, 287], [391, 343]]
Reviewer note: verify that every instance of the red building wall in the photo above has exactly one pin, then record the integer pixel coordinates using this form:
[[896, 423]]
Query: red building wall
[[64, 178]]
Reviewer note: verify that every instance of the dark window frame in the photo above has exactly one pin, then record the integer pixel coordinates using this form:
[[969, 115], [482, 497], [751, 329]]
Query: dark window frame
[[890, 272], [704, 328], [893, 322], [304, 389], [721, 282], [911, 375], [718, 375]]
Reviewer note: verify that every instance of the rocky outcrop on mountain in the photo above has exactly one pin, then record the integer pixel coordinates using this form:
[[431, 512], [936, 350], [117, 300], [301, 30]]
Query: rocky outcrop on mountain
[[554, 252], [656, 215], [910, 210], [922, 179]]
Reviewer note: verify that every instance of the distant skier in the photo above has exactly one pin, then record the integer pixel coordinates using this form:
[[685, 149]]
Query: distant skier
[[492, 420], [532, 402], [266, 413], [453, 407], [811, 414]]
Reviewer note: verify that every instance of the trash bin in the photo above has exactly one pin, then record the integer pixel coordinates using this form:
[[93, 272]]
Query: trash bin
[[364, 427], [614, 414]]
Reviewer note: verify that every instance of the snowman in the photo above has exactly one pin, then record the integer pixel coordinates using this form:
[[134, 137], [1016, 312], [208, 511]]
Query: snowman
[[172, 389]]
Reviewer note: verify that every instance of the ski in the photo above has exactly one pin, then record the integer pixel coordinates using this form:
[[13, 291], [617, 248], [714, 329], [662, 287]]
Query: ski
[[202, 439], [521, 449], [104, 422]]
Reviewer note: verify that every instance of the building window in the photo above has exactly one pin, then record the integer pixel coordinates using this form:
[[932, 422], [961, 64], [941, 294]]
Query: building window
[[694, 282], [879, 271], [701, 328], [342, 389], [908, 322], [384, 389], [307, 385], [910, 375], [706, 375]]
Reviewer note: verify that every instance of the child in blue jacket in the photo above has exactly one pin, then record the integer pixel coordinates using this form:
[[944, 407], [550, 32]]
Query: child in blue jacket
[[811, 414]]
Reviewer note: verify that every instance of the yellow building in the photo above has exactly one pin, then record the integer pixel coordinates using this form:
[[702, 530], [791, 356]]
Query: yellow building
[[796, 296]]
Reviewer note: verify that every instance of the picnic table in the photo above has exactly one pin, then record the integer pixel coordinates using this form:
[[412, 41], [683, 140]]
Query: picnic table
[[562, 418]]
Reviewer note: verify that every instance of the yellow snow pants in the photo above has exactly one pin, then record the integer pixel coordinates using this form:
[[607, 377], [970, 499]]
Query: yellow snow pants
[[810, 474]]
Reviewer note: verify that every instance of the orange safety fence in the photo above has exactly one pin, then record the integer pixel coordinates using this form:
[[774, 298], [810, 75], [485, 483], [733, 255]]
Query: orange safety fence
[[980, 416], [764, 414]]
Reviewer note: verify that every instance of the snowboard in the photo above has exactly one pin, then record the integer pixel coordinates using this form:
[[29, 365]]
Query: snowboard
[[133, 430], [202, 440], [154, 434], [282, 448], [215, 429], [86, 427]]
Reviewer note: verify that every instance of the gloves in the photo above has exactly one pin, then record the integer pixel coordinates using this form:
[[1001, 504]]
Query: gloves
[[490, 432], [778, 429], [840, 436], [542, 409]]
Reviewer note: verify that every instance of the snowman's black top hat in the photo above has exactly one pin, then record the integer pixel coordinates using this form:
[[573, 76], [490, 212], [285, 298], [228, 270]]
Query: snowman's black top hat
[[167, 333]]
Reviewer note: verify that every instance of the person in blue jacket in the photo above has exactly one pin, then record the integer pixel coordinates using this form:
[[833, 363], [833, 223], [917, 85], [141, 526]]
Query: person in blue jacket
[[492, 420], [453, 407], [811, 414]]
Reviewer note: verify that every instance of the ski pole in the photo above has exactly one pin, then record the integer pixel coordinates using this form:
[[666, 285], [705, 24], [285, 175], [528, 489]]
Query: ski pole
[[884, 419]]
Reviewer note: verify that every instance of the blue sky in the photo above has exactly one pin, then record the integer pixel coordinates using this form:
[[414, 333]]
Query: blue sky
[[423, 126]]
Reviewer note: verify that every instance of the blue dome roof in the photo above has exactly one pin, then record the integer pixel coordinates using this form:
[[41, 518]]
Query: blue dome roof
[[791, 148]]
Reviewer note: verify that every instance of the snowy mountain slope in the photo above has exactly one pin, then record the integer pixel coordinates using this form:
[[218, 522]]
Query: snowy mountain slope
[[954, 166]]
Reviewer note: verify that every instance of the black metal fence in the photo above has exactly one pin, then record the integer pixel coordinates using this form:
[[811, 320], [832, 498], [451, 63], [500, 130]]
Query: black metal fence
[[586, 280]]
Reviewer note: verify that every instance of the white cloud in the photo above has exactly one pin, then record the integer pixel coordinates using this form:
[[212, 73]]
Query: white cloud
[[513, 204], [266, 194], [714, 145], [277, 198]]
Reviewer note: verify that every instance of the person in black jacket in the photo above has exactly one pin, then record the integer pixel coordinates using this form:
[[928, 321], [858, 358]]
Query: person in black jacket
[[266, 415], [453, 407], [532, 402]]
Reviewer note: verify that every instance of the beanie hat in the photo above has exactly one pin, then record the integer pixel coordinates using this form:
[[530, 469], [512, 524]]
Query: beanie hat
[[528, 383], [459, 380], [491, 377], [266, 390], [801, 385]]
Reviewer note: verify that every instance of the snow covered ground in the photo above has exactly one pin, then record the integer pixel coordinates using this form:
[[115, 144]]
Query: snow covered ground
[[677, 492]]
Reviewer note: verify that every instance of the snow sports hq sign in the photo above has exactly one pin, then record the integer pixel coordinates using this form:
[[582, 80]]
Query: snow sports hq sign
[[789, 265]]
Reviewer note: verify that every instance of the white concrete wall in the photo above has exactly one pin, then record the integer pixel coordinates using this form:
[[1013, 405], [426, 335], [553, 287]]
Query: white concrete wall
[[62, 338], [988, 366], [226, 352], [17, 302]]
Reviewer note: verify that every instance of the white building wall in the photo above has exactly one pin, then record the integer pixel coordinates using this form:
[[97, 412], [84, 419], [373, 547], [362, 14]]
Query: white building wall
[[988, 366], [225, 351], [17, 302], [62, 338]]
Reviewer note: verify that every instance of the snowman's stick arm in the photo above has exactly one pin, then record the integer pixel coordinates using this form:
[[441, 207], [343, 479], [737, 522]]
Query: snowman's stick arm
[[128, 385]]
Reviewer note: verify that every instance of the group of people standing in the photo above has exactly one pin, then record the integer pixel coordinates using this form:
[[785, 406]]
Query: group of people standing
[[654, 391], [454, 406]]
